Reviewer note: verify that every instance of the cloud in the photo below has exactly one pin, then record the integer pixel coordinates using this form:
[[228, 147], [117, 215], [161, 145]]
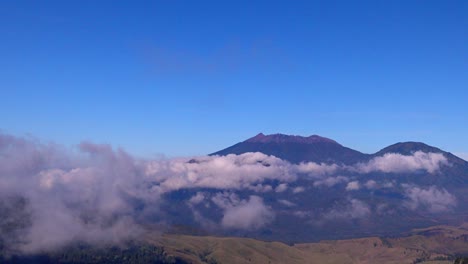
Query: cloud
[[353, 186], [219, 172], [298, 189], [88, 196], [302, 214], [433, 199], [371, 184], [193, 202], [281, 187], [397, 163], [98, 194], [261, 188], [234, 172], [390, 184], [331, 181], [286, 203], [197, 198], [315, 170], [248, 214]]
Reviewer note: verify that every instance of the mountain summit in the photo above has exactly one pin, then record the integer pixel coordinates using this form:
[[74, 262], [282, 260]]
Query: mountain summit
[[281, 138], [315, 148], [297, 149]]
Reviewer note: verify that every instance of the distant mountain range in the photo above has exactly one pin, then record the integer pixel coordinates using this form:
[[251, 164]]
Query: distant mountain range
[[296, 149], [402, 186]]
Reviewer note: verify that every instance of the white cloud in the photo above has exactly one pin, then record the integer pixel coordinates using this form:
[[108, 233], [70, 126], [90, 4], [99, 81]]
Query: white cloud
[[73, 196], [92, 194], [433, 199], [219, 172], [226, 200], [397, 163], [331, 181], [197, 198], [316, 170], [353, 186], [298, 189], [242, 171], [388, 185], [286, 203], [246, 214], [302, 214], [260, 188], [281, 187], [371, 184]]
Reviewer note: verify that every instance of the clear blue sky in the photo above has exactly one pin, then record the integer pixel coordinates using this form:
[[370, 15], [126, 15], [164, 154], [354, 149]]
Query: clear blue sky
[[192, 77]]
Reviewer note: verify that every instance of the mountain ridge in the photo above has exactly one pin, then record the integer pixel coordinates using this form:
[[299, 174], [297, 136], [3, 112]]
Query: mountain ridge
[[296, 149], [282, 138], [319, 149]]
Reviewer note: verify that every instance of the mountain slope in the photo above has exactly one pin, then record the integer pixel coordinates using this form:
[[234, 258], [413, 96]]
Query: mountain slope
[[408, 148], [296, 149], [419, 246]]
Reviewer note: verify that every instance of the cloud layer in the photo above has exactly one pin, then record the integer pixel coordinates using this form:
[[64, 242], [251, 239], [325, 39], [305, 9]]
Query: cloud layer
[[88, 196], [433, 199], [396, 163], [95, 193], [243, 214]]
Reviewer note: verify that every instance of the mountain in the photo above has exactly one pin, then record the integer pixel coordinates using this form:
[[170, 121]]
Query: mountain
[[452, 173], [367, 194], [296, 149], [408, 148]]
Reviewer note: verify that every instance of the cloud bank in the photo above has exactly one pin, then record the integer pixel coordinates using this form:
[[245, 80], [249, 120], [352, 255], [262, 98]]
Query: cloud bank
[[225, 172], [98, 194], [397, 163], [67, 197], [433, 199], [244, 214]]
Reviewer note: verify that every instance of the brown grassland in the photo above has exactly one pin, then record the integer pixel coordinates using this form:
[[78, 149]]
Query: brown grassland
[[438, 244]]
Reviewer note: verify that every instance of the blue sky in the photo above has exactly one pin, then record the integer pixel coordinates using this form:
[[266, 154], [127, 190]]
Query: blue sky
[[193, 77]]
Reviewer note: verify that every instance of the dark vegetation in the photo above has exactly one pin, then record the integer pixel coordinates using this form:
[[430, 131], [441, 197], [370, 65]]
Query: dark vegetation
[[87, 254], [461, 261]]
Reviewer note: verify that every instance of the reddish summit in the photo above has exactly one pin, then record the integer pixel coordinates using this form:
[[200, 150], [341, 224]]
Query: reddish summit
[[281, 138]]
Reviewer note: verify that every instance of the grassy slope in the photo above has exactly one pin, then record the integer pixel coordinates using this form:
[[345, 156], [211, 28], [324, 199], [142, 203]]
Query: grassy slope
[[422, 244]]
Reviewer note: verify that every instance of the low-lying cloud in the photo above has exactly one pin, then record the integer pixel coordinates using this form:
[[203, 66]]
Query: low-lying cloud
[[397, 163], [331, 181], [69, 197], [353, 186], [95, 193], [433, 199], [247, 214], [219, 172]]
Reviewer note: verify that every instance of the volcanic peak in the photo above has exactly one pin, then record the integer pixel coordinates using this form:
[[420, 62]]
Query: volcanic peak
[[282, 138]]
